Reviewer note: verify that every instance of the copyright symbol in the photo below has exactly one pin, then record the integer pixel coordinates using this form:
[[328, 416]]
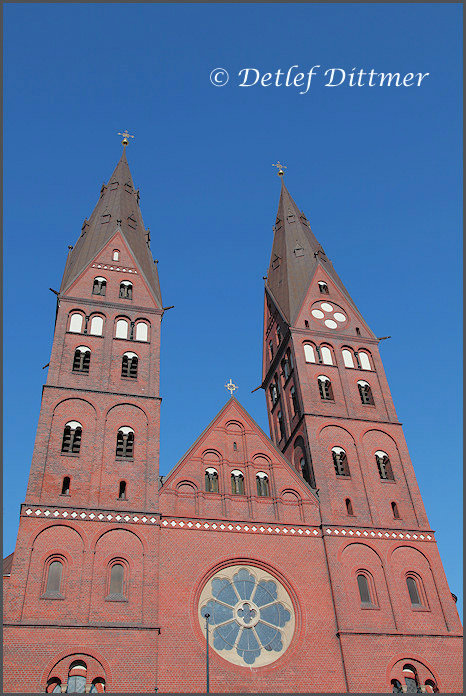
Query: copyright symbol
[[219, 77]]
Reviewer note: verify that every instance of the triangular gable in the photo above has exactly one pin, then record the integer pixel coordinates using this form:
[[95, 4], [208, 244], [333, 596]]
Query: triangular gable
[[255, 453], [103, 258], [340, 301]]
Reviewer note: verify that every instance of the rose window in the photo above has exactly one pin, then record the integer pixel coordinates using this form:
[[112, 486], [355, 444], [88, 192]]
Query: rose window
[[251, 617], [330, 315]]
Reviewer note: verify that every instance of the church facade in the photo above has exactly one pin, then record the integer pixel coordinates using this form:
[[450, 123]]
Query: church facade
[[304, 560]]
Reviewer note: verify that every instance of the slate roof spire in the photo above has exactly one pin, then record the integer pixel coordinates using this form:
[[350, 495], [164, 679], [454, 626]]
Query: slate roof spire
[[296, 255], [117, 210]]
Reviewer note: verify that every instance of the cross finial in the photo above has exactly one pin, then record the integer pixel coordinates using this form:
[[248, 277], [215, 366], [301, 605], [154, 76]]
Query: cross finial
[[280, 168], [231, 387], [125, 136]]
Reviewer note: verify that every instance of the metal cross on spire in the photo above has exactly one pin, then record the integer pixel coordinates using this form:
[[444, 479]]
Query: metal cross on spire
[[125, 136], [280, 168], [231, 387]]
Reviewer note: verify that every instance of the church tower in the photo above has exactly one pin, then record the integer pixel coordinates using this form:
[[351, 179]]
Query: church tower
[[94, 474], [332, 415]]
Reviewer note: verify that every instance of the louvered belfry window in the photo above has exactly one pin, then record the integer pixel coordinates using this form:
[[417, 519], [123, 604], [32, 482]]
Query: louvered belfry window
[[82, 360], [340, 461], [129, 365], [384, 466], [72, 435], [281, 425], [125, 443], [325, 388], [294, 400], [365, 393]]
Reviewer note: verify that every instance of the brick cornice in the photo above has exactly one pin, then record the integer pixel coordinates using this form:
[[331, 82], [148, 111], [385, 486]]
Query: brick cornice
[[98, 626], [101, 391], [115, 305]]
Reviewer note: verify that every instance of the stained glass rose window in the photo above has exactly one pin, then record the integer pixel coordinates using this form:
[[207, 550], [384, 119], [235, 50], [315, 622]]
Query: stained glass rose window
[[251, 617]]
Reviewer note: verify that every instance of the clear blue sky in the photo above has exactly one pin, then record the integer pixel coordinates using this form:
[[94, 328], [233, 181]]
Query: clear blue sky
[[376, 170]]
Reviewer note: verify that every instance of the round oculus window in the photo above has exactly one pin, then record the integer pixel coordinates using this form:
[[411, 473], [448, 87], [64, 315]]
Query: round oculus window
[[326, 307], [317, 314], [251, 617], [330, 323]]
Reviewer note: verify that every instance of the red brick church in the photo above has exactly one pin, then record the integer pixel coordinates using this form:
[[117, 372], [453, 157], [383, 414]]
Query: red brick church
[[307, 556]]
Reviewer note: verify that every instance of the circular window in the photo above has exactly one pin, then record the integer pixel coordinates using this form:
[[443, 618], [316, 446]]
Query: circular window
[[326, 307], [251, 617]]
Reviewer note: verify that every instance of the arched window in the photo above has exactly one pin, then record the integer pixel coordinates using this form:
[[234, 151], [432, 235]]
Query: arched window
[[411, 679], [262, 481], [82, 359], [237, 482], [364, 360], [287, 365], [77, 678], [340, 461], [116, 585], [326, 354], [300, 459], [431, 686], [129, 365], [271, 349], [211, 480], [99, 287], [125, 443], [294, 400], [363, 587], [53, 686], [97, 326], [98, 686], [413, 590], [54, 576], [72, 436], [116, 255], [122, 491], [349, 507], [347, 357], [384, 466], [126, 290], [395, 511], [323, 287], [396, 686], [281, 425], [274, 390], [279, 335], [142, 331], [65, 487], [325, 388], [121, 329], [309, 354], [76, 323], [365, 392]]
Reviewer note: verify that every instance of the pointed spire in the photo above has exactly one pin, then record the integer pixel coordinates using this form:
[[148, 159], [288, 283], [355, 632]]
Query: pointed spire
[[117, 210], [296, 254]]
